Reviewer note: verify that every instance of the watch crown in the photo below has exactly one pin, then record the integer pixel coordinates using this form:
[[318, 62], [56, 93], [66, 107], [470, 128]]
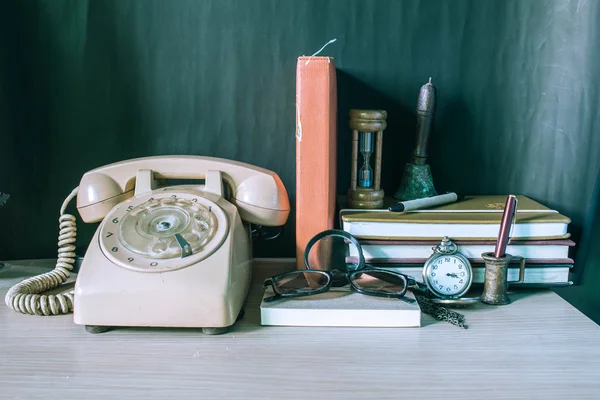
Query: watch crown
[[446, 246]]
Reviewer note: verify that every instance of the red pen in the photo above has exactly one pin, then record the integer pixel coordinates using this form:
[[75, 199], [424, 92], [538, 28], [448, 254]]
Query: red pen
[[510, 211]]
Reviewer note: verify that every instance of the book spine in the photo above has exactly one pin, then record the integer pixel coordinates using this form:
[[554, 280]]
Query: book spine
[[427, 231], [542, 275], [316, 150], [399, 261], [469, 251], [560, 242]]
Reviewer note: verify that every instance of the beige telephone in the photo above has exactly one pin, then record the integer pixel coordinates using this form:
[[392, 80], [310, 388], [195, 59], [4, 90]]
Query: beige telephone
[[168, 256]]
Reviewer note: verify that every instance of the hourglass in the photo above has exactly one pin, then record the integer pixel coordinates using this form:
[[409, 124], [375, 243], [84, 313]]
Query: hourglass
[[367, 136]]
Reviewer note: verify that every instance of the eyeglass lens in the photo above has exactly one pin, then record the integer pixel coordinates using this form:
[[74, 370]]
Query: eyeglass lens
[[301, 281], [379, 282]]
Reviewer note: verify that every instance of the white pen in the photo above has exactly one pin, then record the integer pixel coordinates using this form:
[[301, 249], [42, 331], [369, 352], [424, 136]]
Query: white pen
[[425, 202]]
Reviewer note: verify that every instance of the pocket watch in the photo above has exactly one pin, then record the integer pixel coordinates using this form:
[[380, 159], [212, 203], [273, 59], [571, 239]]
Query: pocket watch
[[448, 274]]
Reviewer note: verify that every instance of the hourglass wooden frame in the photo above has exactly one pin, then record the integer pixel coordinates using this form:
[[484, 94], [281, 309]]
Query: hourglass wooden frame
[[363, 122]]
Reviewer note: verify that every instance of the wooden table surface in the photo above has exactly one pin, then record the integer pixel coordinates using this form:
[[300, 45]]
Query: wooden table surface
[[538, 347]]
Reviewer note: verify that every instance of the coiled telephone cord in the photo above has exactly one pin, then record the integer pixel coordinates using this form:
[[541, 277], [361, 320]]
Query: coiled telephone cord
[[25, 297]]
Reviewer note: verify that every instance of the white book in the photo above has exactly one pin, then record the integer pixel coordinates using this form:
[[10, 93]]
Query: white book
[[551, 250], [465, 230], [341, 307], [542, 275]]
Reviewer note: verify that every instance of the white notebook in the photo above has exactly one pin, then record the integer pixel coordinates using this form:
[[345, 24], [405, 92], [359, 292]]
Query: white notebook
[[341, 307], [551, 250]]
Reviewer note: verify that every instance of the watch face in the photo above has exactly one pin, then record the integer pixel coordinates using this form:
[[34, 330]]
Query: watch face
[[448, 275]]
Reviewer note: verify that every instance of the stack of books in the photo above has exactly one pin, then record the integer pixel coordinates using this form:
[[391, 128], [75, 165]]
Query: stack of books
[[403, 241]]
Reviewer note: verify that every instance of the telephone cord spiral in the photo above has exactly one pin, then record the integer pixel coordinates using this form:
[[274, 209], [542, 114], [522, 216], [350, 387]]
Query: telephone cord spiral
[[25, 297]]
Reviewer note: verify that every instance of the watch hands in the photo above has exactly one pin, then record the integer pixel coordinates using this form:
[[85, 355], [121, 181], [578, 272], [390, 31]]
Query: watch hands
[[452, 274]]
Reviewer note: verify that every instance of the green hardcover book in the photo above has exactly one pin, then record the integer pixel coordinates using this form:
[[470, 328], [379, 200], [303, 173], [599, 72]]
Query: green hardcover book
[[474, 218], [542, 275]]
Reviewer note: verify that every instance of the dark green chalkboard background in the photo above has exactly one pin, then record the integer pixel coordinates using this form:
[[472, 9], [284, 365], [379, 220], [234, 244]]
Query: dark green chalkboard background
[[86, 83]]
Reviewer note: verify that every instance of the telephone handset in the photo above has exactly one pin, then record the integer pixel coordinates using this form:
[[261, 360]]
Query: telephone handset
[[258, 193], [182, 249]]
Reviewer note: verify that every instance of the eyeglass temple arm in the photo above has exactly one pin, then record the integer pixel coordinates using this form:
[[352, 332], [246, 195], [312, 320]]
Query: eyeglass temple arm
[[269, 282]]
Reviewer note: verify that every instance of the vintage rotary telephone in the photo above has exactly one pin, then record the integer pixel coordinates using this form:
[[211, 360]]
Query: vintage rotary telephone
[[168, 256]]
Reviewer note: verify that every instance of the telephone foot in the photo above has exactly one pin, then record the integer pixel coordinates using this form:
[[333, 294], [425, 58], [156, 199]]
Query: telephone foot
[[96, 328], [241, 314], [215, 331]]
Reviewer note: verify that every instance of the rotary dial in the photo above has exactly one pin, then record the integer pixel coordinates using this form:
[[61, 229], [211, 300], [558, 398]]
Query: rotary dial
[[163, 231]]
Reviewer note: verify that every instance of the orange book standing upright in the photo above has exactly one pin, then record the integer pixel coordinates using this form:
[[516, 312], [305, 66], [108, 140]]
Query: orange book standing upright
[[316, 149]]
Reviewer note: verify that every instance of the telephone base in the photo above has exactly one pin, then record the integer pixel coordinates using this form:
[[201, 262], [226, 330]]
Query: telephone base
[[95, 329]]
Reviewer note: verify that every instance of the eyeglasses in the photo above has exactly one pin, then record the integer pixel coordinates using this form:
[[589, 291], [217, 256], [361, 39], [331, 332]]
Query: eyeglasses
[[369, 281], [362, 279]]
